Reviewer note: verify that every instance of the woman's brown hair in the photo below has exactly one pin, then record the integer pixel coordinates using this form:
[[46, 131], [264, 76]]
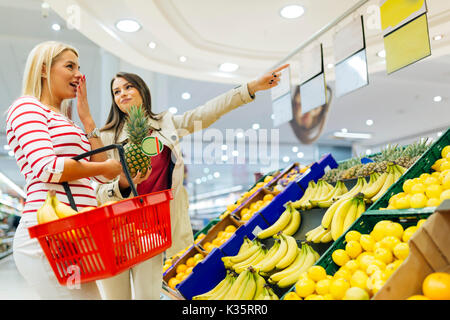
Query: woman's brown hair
[[116, 118]]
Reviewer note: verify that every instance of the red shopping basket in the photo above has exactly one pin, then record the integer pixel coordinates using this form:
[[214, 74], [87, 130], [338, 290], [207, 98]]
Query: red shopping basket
[[105, 241]]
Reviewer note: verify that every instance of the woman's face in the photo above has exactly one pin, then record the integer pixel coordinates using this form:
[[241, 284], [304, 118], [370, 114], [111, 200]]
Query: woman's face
[[65, 75], [125, 94]]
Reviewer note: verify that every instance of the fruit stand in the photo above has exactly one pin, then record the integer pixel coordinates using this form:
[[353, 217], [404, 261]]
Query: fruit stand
[[356, 221]]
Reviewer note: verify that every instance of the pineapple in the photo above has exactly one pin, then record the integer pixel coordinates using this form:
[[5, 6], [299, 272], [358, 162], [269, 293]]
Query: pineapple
[[366, 169], [137, 128]]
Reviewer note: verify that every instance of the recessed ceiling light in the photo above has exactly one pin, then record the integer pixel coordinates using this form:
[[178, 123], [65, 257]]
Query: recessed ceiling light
[[216, 174], [437, 99], [173, 110], [438, 37], [255, 126], [6, 147], [224, 158], [11, 153], [198, 181], [235, 153], [368, 152], [294, 149], [128, 25], [182, 59], [369, 122], [286, 159], [56, 27], [186, 96], [330, 66], [228, 67], [224, 147], [272, 116], [382, 54], [352, 135], [344, 130], [240, 134], [152, 45], [292, 11], [300, 155]]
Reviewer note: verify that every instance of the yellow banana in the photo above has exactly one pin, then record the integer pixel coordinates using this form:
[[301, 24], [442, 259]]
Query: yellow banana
[[260, 282], [46, 213], [360, 183], [279, 225], [62, 210], [221, 295], [272, 294], [213, 291], [338, 218], [272, 251], [387, 183], [306, 195], [326, 237], [251, 261], [236, 287], [249, 288], [319, 235], [246, 254], [294, 224], [339, 190], [361, 209], [291, 253], [301, 255], [310, 259], [373, 189], [270, 264], [350, 217], [372, 179], [401, 169], [312, 233], [329, 214]]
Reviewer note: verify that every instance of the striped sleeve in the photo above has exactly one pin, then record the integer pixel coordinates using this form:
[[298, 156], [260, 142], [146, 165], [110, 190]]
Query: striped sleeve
[[28, 121]]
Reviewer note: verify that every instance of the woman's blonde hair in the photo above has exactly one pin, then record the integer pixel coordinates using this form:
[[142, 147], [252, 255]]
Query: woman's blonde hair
[[42, 55]]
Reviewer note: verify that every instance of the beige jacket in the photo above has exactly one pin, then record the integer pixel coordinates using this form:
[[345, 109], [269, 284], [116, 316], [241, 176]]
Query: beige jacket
[[173, 128]]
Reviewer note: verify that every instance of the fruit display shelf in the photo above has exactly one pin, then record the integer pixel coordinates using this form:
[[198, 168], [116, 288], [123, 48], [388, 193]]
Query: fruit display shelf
[[206, 228], [364, 224], [422, 165]]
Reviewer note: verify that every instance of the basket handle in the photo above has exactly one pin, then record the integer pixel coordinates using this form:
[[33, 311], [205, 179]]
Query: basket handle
[[119, 148]]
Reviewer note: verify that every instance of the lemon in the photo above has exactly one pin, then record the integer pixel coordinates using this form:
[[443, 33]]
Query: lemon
[[340, 257], [365, 260], [408, 233], [430, 181], [418, 188], [389, 242], [433, 202], [372, 268], [327, 296], [303, 275], [407, 185], [323, 287], [352, 235], [445, 151], [317, 273], [437, 164], [351, 265], [366, 242], [397, 196], [305, 287], [356, 293], [418, 297], [353, 249], [418, 200], [359, 279], [378, 231], [446, 182], [401, 250], [394, 229], [380, 264], [445, 195], [338, 288], [377, 286], [384, 255], [424, 176], [421, 222], [433, 190], [436, 175], [391, 267], [314, 297], [343, 273], [445, 165], [291, 296], [402, 203]]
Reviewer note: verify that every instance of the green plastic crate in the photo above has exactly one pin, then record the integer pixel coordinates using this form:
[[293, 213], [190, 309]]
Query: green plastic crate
[[364, 224], [422, 165]]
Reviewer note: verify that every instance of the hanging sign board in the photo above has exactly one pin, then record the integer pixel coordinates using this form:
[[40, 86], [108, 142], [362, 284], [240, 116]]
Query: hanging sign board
[[311, 63], [281, 99], [397, 13], [349, 40]]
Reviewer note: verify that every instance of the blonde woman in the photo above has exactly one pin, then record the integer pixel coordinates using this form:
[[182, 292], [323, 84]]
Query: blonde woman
[[167, 168], [44, 141]]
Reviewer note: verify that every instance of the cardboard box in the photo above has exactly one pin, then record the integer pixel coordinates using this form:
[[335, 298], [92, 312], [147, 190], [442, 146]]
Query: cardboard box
[[429, 252]]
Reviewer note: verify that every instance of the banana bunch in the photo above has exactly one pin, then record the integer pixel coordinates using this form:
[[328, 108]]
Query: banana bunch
[[305, 257], [327, 200], [378, 187], [266, 294], [281, 255], [288, 223], [318, 235], [53, 209], [310, 193], [250, 254]]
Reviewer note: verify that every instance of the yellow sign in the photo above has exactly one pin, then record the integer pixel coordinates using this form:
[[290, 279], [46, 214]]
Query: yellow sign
[[407, 44], [396, 13]]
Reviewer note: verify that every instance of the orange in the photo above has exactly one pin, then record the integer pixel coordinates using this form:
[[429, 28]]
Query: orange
[[189, 270], [180, 276], [173, 282], [181, 268], [190, 262], [268, 197], [418, 297], [230, 228], [436, 286], [198, 257]]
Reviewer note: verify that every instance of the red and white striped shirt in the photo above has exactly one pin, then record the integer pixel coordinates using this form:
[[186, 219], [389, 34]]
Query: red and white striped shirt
[[41, 139]]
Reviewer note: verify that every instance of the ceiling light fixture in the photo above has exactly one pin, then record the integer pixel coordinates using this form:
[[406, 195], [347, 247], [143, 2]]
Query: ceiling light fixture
[[437, 99], [56, 27], [182, 59], [368, 152], [224, 147], [438, 37], [255, 126], [352, 135], [292, 11], [6, 147], [128, 25], [300, 155], [369, 122], [152, 45], [186, 96], [173, 110], [382, 54], [228, 67], [216, 174], [294, 149], [344, 130], [330, 66], [235, 153], [286, 159], [240, 134]]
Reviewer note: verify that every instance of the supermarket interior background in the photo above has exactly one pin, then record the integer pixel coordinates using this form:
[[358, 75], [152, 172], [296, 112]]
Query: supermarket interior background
[[177, 50]]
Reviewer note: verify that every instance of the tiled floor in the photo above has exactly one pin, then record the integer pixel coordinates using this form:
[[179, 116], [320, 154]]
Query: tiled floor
[[13, 285]]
